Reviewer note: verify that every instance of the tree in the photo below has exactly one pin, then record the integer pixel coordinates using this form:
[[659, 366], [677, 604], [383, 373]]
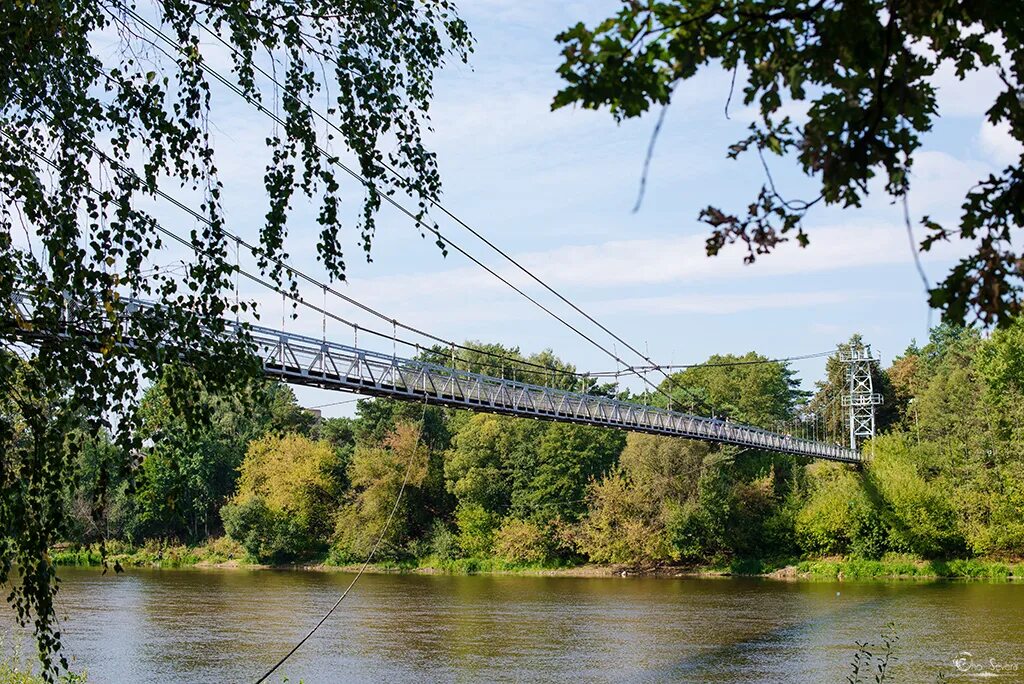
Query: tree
[[377, 474], [865, 69], [666, 468], [570, 456], [189, 471], [492, 461], [88, 134], [489, 471], [340, 433], [378, 421], [918, 509], [285, 502], [542, 368], [98, 493], [830, 520], [623, 523], [748, 388]]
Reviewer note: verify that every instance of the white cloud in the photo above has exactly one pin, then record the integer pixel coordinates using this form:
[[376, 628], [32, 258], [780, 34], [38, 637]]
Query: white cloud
[[968, 97], [727, 303], [939, 183], [971, 95], [683, 259], [468, 293], [997, 143]]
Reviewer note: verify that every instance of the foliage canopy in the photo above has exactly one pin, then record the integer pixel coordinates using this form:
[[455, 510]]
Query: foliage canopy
[[105, 105], [865, 69]]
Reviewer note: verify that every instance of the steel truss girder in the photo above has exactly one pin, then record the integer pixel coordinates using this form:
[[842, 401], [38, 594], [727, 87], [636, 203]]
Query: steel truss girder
[[305, 360], [377, 374]]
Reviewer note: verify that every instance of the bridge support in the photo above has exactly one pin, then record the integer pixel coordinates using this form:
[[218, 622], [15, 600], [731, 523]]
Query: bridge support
[[861, 398]]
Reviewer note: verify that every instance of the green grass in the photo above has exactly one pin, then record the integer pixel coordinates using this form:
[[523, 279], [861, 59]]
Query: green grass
[[461, 566], [153, 553], [16, 669], [15, 673], [891, 566], [472, 566], [910, 567]]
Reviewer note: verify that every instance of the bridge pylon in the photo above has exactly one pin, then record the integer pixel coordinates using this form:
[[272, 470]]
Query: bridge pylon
[[860, 398]]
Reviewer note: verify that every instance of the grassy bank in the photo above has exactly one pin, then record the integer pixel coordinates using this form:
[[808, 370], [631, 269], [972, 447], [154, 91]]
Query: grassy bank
[[909, 567], [224, 552], [18, 673], [154, 553]]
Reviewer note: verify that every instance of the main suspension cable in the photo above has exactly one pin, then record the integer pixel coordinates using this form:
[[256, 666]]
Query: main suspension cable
[[333, 159]]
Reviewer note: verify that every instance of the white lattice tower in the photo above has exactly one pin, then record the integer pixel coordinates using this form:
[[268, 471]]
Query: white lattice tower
[[861, 398]]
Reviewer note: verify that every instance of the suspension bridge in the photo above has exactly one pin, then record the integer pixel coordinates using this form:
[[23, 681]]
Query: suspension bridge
[[299, 359], [308, 361]]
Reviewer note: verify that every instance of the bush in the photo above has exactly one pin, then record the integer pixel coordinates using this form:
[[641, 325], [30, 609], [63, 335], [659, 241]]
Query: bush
[[521, 542], [688, 531], [282, 509], [623, 524], [442, 542], [476, 529], [919, 512], [268, 536], [376, 475], [825, 523]]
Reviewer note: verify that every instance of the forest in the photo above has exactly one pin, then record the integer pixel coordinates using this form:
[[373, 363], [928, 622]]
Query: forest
[[944, 478]]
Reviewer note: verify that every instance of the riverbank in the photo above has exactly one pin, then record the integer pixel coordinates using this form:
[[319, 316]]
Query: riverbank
[[226, 553]]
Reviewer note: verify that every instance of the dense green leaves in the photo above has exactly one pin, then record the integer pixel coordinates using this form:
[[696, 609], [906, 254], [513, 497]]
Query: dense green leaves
[[865, 69], [285, 498], [105, 105], [744, 388], [377, 475]]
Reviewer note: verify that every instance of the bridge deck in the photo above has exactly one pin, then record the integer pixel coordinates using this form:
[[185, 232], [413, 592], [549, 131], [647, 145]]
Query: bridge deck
[[305, 360], [309, 361]]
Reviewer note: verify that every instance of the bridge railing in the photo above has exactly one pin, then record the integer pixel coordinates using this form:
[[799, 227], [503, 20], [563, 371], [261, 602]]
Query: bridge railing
[[307, 360], [312, 361]]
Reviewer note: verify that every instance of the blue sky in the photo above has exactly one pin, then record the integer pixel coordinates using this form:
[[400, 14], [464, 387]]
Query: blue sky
[[557, 190]]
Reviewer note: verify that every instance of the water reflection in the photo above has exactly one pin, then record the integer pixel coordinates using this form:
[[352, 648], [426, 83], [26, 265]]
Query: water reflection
[[230, 625]]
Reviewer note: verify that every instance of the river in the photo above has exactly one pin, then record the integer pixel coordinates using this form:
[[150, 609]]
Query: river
[[208, 625]]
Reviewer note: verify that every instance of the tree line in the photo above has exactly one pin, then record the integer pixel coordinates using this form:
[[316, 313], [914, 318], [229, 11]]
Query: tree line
[[945, 476]]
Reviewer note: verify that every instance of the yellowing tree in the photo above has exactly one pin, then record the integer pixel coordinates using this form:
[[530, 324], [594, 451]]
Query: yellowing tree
[[623, 524], [377, 474], [285, 499], [288, 472]]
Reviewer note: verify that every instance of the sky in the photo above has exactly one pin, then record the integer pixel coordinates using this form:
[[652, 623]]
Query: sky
[[557, 190]]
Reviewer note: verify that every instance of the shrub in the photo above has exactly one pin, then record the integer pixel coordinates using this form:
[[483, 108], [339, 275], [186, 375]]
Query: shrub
[[282, 508], [376, 475], [266, 535], [919, 512], [442, 542], [622, 525], [825, 523], [476, 529], [519, 541], [688, 531]]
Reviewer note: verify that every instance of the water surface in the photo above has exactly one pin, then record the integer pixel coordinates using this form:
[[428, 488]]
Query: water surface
[[230, 625]]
